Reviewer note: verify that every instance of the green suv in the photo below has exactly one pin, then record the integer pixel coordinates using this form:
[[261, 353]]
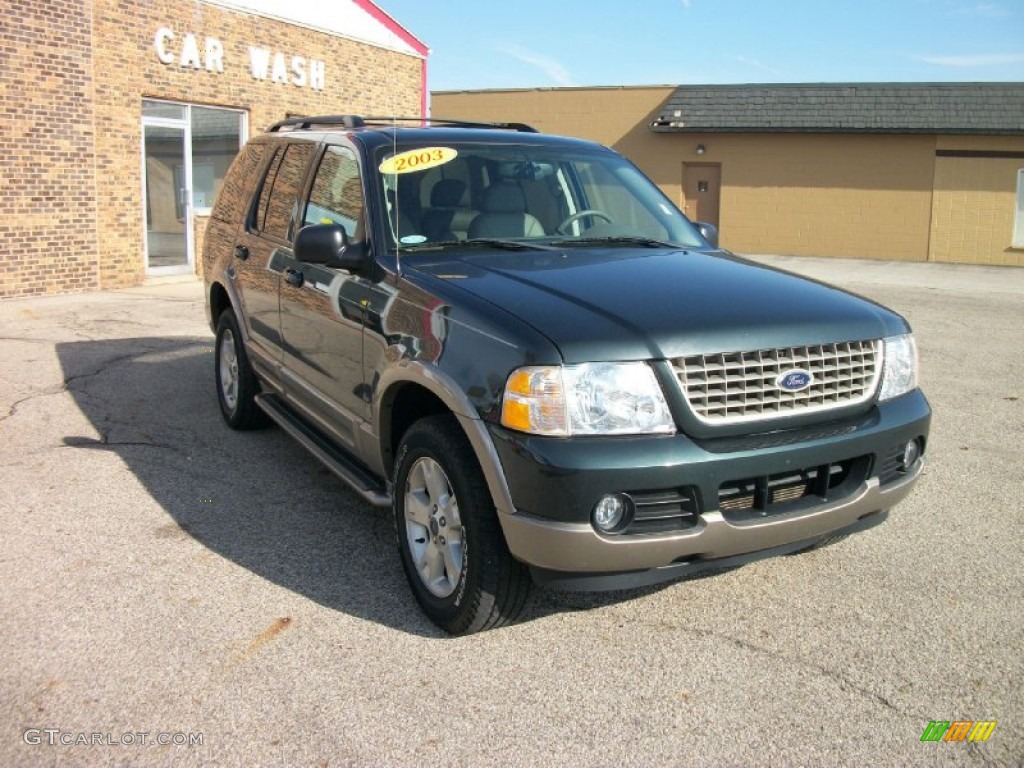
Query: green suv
[[518, 343]]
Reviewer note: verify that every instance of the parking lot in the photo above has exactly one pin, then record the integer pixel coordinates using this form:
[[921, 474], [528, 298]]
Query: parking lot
[[166, 576]]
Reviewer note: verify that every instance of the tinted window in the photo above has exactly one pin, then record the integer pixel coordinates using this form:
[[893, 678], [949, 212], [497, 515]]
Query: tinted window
[[281, 189], [337, 194], [232, 196], [557, 194], [260, 215]]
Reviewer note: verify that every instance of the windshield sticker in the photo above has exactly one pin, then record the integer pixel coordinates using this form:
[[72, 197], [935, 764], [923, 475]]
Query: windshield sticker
[[418, 159], [413, 240]]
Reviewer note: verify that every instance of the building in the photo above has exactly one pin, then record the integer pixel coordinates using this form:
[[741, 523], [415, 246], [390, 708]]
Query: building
[[121, 116], [909, 171]]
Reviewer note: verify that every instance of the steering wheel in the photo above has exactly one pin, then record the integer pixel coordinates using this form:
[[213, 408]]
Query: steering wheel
[[560, 229]]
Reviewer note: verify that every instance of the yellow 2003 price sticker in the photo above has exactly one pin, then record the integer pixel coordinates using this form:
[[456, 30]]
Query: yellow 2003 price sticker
[[418, 159]]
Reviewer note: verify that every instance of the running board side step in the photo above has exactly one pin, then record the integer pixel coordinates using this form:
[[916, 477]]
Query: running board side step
[[333, 457]]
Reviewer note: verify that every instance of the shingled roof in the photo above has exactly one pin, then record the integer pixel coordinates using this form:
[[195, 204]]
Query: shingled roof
[[989, 108]]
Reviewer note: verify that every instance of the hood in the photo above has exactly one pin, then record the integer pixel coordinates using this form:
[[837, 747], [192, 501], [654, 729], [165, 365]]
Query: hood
[[603, 304]]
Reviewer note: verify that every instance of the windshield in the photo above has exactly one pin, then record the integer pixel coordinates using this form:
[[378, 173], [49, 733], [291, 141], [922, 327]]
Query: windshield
[[532, 196]]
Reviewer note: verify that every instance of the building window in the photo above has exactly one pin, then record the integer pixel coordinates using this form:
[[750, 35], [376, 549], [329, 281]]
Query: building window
[[1018, 222], [217, 135]]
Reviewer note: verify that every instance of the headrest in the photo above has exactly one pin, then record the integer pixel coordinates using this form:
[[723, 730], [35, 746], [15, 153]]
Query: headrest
[[447, 193], [504, 197]]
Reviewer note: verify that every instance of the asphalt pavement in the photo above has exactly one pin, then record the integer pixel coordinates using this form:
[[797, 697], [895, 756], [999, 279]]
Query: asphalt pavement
[[168, 580]]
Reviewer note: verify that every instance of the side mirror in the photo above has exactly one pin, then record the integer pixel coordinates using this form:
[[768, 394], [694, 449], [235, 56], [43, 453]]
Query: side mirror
[[709, 232], [328, 244]]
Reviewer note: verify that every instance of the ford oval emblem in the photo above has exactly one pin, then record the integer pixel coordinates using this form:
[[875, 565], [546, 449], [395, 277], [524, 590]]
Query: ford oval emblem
[[794, 380]]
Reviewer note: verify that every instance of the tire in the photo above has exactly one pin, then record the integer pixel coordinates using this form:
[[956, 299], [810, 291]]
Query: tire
[[449, 538], [237, 385]]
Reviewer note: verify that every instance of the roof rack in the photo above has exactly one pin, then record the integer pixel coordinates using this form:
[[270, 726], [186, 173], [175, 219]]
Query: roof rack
[[352, 122]]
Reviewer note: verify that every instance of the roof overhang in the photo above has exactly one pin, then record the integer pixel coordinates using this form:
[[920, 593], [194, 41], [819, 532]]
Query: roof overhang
[[359, 20]]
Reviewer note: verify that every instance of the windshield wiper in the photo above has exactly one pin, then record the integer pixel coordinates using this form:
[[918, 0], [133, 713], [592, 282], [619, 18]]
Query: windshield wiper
[[646, 242], [493, 242]]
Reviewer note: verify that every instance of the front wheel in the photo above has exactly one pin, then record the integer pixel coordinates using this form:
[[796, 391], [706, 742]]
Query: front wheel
[[449, 538]]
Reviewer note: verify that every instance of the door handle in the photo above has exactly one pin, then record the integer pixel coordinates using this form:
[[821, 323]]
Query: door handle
[[241, 252], [293, 277]]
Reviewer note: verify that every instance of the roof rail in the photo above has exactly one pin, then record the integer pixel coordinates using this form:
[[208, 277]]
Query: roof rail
[[305, 123], [351, 122]]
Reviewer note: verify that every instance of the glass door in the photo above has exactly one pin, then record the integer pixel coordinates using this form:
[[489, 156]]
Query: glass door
[[168, 185], [186, 152]]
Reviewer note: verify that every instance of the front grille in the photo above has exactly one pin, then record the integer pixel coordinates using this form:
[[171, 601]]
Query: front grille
[[675, 509], [757, 497], [890, 465], [735, 387]]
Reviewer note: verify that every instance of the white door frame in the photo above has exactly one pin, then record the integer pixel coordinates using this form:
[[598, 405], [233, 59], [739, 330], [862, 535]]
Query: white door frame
[[185, 195], [185, 124]]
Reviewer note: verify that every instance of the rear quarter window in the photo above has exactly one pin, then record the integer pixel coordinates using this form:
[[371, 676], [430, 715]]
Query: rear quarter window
[[279, 193], [236, 191]]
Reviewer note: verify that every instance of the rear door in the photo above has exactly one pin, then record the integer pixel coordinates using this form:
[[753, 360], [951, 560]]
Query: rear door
[[264, 247]]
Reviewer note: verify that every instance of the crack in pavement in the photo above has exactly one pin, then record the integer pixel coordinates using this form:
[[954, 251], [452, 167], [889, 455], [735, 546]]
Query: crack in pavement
[[104, 442], [844, 682], [13, 409], [104, 365]]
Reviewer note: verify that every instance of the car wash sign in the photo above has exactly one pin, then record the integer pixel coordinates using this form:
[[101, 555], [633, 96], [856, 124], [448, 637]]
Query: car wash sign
[[188, 51]]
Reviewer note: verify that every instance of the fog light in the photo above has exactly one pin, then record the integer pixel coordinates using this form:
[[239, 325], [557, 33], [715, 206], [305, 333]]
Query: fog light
[[911, 454], [610, 512]]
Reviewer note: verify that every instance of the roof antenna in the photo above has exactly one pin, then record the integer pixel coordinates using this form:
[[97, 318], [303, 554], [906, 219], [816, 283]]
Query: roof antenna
[[394, 151]]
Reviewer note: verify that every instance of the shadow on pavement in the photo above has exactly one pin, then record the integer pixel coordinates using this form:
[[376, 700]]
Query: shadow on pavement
[[255, 498]]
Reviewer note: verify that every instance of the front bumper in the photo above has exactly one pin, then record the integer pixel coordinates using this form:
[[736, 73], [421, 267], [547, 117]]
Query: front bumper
[[577, 547], [556, 483]]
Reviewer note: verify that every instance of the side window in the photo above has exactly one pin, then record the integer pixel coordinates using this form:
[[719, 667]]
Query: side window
[[232, 197], [281, 190], [260, 214], [337, 194]]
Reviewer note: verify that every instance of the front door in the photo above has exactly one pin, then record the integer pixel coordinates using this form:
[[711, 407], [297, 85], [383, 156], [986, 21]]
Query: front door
[[702, 189], [323, 309], [168, 200]]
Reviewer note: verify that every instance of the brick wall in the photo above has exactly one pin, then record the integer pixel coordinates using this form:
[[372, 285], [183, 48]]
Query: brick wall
[[47, 148], [73, 78], [359, 78], [199, 224]]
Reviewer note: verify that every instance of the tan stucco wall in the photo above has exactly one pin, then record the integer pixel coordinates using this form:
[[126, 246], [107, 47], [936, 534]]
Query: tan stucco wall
[[974, 202], [845, 195], [817, 195]]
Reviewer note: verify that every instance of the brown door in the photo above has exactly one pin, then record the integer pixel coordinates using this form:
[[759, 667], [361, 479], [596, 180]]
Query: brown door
[[702, 186]]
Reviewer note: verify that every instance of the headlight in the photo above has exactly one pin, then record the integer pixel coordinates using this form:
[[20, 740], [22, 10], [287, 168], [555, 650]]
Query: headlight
[[900, 373], [586, 399]]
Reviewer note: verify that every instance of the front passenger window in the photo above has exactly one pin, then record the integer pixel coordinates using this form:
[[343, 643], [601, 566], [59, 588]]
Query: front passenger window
[[337, 194]]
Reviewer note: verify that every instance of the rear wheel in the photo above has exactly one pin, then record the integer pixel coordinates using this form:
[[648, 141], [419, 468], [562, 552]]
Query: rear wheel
[[449, 538], [237, 385]]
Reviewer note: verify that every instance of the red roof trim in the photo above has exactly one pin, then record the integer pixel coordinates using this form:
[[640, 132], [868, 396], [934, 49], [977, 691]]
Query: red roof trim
[[382, 17]]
